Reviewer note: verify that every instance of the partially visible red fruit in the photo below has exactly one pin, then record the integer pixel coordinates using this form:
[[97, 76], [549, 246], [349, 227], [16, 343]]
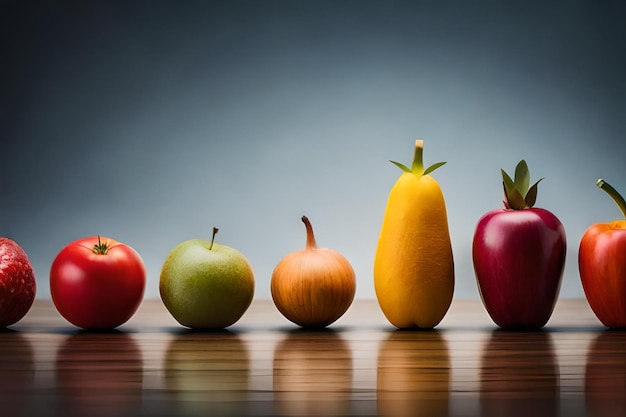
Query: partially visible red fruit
[[17, 283]]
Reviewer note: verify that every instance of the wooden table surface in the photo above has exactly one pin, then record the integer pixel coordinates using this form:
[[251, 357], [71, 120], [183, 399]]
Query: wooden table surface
[[264, 365]]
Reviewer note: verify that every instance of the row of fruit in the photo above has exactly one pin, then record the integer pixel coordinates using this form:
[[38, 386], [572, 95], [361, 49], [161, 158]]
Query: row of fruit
[[518, 254]]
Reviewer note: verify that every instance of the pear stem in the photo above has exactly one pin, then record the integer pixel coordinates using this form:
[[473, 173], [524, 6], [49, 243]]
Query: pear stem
[[215, 230], [615, 195], [310, 237]]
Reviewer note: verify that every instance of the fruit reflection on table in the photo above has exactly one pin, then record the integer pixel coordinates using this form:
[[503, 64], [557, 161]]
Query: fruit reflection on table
[[605, 375], [361, 366], [207, 371], [519, 375], [99, 374], [312, 374], [17, 373], [413, 374]]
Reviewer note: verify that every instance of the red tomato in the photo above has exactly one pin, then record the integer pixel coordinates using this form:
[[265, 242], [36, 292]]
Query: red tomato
[[97, 282]]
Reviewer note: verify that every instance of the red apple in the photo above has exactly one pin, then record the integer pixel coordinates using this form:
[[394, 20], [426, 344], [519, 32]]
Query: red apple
[[602, 266], [519, 256], [17, 283]]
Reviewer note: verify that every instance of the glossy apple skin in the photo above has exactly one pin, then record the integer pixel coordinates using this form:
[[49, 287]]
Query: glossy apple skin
[[18, 286], [519, 256], [602, 267]]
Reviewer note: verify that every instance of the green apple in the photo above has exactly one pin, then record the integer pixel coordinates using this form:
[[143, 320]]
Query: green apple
[[205, 285]]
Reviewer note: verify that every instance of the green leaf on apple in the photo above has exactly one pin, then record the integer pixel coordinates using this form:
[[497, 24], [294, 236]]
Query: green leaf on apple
[[522, 177], [509, 185], [518, 194], [531, 195]]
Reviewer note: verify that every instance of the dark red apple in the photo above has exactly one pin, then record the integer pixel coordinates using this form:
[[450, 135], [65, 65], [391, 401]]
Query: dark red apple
[[17, 283], [519, 256]]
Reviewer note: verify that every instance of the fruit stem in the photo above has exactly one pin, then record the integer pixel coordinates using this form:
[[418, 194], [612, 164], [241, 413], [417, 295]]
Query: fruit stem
[[417, 168], [215, 230], [310, 237], [615, 195], [418, 158], [100, 248]]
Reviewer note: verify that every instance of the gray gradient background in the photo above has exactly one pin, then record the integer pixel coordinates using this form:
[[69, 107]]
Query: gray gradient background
[[151, 122]]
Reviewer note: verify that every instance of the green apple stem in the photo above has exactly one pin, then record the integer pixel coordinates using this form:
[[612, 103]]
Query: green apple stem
[[615, 195], [100, 248], [215, 230], [310, 237]]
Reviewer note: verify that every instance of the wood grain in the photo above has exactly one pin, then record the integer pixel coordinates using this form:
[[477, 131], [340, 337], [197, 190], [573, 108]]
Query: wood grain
[[361, 365]]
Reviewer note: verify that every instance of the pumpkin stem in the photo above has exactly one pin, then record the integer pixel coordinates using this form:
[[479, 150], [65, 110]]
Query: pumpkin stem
[[215, 230], [310, 237]]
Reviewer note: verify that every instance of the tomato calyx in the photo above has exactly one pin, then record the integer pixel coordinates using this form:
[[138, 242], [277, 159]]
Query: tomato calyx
[[518, 193], [100, 248]]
